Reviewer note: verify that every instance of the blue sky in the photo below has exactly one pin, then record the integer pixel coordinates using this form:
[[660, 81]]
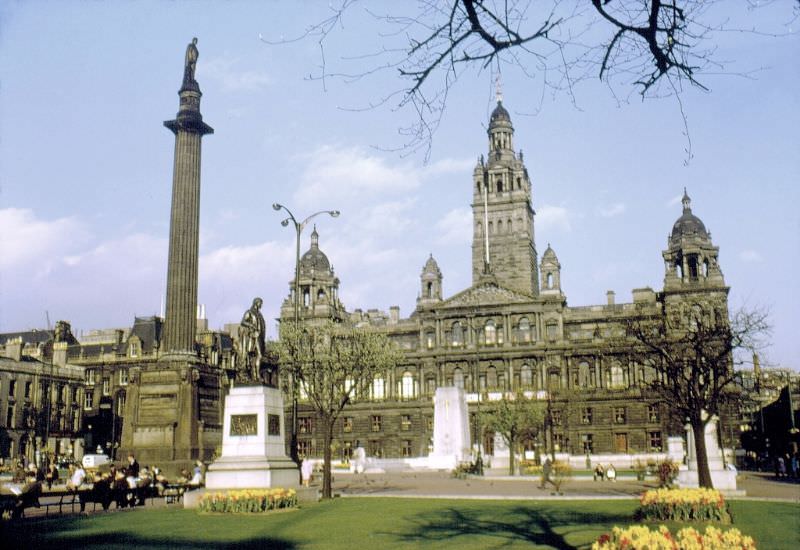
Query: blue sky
[[86, 166]]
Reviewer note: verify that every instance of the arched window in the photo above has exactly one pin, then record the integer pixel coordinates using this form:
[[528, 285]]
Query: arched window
[[499, 185], [407, 386], [429, 287], [705, 268], [457, 334], [430, 339], [500, 226], [554, 380], [306, 297], [479, 229], [524, 330], [616, 377], [458, 378], [378, 388], [679, 268], [491, 228], [508, 226], [526, 377], [549, 283], [491, 378], [490, 332], [320, 295]]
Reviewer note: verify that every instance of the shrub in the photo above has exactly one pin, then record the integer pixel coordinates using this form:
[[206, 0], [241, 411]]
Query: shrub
[[560, 473], [640, 537], [248, 501], [467, 468], [530, 468], [667, 472], [683, 505]]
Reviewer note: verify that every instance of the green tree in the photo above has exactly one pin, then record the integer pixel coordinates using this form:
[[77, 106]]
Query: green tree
[[333, 364], [515, 418]]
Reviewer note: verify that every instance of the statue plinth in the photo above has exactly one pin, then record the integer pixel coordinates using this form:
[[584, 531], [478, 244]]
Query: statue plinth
[[253, 442]]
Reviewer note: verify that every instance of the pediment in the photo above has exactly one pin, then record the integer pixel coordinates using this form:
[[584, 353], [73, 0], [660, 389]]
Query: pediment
[[486, 294]]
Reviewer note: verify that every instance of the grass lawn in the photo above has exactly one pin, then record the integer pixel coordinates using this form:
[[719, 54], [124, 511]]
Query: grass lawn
[[378, 523]]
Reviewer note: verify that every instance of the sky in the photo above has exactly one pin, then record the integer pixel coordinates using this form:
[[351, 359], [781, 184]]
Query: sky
[[86, 165]]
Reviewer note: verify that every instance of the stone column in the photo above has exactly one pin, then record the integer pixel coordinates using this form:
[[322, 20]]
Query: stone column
[[180, 325]]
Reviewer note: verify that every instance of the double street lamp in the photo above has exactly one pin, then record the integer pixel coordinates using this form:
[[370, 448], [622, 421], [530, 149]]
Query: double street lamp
[[298, 227]]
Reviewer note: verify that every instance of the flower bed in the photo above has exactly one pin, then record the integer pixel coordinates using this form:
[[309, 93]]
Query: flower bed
[[683, 505], [248, 501], [640, 537]]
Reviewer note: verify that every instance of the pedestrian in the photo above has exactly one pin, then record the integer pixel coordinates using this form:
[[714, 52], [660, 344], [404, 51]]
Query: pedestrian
[[76, 478], [781, 467], [51, 476], [547, 470], [306, 469]]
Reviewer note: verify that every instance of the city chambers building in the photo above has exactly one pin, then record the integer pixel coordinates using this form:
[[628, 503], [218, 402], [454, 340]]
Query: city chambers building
[[512, 331]]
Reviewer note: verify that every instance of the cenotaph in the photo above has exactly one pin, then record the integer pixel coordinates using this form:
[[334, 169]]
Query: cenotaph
[[451, 439], [723, 478]]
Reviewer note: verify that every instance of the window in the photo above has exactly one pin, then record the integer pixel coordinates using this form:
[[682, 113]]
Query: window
[[406, 448], [549, 280], [376, 423], [375, 448], [28, 386], [378, 388], [430, 385], [12, 388], [619, 415], [63, 392], [524, 330], [584, 374], [407, 386], [305, 448], [655, 441], [652, 413], [552, 331], [586, 416], [588, 443], [405, 422], [491, 378], [10, 417], [106, 386], [134, 348], [123, 377], [556, 417], [347, 450], [558, 441], [490, 332], [616, 377], [430, 339], [75, 397], [429, 423], [88, 377], [458, 378], [121, 403], [457, 334], [88, 400], [304, 425], [347, 424], [526, 377]]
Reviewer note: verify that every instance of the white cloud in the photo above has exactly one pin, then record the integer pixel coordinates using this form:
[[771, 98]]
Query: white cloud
[[612, 210], [25, 239], [223, 70], [750, 256], [550, 217], [674, 200], [455, 228]]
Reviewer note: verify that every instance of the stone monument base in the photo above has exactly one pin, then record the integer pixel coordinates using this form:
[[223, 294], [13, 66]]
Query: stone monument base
[[723, 480], [253, 452]]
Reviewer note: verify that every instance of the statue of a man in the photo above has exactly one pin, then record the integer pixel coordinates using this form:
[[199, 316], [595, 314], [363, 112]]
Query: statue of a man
[[251, 338], [191, 61]]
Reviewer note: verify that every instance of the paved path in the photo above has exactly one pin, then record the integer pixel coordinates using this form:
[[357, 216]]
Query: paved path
[[441, 485]]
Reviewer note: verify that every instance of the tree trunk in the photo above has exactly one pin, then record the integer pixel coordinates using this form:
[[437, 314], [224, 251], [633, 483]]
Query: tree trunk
[[326, 464], [703, 473], [511, 444]]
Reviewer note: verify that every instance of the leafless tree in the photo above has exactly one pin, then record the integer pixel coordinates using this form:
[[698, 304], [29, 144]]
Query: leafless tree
[[692, 362], [655, 47]]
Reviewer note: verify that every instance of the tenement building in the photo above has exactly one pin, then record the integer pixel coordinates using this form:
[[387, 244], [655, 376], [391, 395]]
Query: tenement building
[[512, 330]]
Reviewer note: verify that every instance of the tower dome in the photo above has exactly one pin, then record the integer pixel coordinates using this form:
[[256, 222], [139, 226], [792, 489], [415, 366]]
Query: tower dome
[[314, 258], [688, 224], [499, 115]]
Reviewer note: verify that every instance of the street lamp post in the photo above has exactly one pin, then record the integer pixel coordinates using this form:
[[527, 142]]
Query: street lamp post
[[298, 227]]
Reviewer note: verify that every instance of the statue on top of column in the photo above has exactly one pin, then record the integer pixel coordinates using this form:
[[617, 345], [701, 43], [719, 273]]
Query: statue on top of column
[[191, 62]]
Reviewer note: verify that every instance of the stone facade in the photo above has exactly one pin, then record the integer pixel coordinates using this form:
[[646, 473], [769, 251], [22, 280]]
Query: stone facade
[[512, 330]]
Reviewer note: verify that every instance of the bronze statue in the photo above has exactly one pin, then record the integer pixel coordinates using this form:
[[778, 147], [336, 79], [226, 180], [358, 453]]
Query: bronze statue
[[191, 62], [251, 341]]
